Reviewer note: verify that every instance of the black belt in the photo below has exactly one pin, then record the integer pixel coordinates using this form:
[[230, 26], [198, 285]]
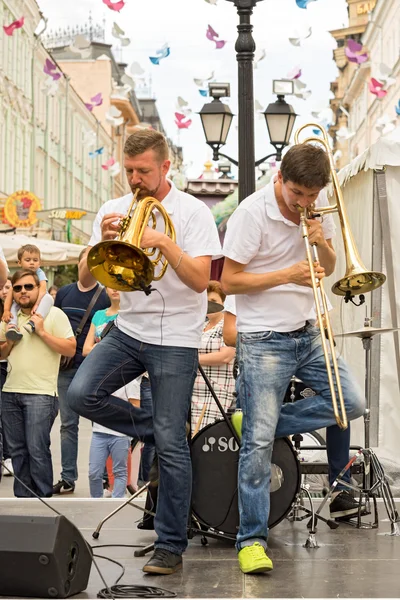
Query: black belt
[[301, 329]]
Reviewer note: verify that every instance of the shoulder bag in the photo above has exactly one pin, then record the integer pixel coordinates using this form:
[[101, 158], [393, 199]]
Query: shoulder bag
[[67, 362]]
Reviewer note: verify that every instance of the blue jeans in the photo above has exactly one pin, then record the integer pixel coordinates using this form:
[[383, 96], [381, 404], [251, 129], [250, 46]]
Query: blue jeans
[[28, 422], [102, 446], [267, 360], [172, 370], [149, 449], [68, 430]]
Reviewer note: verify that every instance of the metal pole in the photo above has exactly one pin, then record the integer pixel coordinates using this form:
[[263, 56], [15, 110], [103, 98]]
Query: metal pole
[[245, 48]]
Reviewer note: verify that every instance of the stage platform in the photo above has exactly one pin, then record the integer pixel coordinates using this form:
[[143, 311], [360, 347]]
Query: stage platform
[[350, 563]]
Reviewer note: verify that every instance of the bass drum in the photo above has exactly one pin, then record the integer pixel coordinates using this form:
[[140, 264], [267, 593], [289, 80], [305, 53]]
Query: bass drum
[[215, 457]]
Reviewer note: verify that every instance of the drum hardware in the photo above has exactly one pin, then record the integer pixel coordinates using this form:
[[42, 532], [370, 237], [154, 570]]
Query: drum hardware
[[372, 465]]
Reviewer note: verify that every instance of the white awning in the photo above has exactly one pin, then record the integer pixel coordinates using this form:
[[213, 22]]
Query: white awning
[[52, 253], [385, 152]]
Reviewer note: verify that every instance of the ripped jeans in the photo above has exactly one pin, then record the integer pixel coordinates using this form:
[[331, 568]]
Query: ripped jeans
[[267, 361]]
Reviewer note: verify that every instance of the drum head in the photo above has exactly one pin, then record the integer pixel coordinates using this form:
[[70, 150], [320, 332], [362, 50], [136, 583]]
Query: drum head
[[215, 457]]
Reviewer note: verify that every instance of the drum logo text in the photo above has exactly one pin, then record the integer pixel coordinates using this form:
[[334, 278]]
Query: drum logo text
[[222, 444]]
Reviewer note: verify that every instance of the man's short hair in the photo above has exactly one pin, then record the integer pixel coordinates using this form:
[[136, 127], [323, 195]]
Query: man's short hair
[[31, 248], [215, 286], [24, 273], [147, 139], [306, 164]]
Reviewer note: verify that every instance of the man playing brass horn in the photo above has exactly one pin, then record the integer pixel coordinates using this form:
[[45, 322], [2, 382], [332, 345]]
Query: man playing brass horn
[[159, 333], [265, 269]]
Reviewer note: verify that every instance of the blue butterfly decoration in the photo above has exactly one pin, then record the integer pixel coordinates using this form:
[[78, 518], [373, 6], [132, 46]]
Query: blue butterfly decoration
[[203, 92], [397, 109], [303, 3], [96, 152], [162, 53]]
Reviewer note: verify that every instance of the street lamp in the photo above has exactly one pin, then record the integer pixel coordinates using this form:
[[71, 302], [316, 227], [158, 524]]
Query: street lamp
[[224, 167], [217, 118], [245, 48]]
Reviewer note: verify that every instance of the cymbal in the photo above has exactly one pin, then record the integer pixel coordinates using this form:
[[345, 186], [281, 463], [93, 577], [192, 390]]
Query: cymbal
[[366, 332], [214, 307]]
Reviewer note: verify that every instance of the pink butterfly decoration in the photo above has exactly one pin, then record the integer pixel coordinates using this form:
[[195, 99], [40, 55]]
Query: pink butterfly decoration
[[117, 6], [295, 73], [9, 29], [96, 100], [375, 87], [50, 69], [211, 35], [109, 163], [180, 123], [354, 52]]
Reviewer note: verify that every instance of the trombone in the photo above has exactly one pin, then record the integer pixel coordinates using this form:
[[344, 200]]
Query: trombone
[[357, 279]]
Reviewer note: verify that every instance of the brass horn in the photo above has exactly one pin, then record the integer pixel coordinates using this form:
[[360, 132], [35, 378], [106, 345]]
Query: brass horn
[[121, 263], [357, 279]]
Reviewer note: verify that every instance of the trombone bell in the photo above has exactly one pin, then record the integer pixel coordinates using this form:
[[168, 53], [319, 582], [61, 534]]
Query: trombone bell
[[358, 282]]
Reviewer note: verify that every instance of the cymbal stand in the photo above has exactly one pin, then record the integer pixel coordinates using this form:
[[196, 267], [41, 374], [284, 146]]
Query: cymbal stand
[[374, 478]]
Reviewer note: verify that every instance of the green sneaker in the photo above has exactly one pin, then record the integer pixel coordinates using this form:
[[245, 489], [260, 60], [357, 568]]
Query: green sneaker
[[253, 559], [237, 420]]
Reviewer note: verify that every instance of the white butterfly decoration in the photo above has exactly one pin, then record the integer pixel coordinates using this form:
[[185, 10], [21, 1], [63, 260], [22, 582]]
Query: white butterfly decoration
[[300, 90], [114, 116], [81, 46], [385, 124], [344, 133], [299, 35], [385, 75]]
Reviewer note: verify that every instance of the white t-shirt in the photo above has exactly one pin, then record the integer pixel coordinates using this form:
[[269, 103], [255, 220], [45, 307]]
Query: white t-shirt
[[230, 305], [130, 390], [2, 257], [174, 315], [260, 237]]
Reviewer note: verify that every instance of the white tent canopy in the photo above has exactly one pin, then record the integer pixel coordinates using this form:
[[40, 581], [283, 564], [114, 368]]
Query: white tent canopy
[[52, 253], [371, 191]]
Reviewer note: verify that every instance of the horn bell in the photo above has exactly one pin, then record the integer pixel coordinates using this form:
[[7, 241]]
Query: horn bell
[[120, 265]]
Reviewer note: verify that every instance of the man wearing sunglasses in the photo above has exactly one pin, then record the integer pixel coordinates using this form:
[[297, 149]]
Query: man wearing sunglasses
[[29, 397]]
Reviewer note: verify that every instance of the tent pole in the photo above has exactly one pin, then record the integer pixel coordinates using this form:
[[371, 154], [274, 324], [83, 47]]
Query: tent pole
[[380, 179]]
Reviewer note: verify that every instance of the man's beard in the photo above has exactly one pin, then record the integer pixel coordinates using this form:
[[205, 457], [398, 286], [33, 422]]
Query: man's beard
[[28, 304], [144, 192]]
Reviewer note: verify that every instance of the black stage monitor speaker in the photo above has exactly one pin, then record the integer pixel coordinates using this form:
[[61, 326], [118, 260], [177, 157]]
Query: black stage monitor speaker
[[42, 557]]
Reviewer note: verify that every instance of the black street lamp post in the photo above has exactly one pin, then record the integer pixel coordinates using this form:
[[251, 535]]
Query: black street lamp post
[[245, 48], [217, 117]]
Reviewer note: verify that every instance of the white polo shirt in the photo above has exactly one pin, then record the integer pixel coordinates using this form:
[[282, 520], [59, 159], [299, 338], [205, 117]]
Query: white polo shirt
[[174, 315], [260, 237]]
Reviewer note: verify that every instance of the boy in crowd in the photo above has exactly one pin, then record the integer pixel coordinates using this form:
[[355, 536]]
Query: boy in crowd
[[29, 259]]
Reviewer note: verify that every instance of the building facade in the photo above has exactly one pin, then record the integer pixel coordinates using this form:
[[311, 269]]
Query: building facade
[[376, 25], [42, 134]]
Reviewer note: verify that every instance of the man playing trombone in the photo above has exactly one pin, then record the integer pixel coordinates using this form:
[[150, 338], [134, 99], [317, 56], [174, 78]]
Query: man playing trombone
[[265, 269]]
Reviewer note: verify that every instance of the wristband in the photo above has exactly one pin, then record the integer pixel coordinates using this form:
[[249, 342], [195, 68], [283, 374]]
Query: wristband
[[179, 261]]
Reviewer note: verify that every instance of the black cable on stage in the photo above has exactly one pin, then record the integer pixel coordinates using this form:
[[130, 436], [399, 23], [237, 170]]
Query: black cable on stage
[[136, 591]]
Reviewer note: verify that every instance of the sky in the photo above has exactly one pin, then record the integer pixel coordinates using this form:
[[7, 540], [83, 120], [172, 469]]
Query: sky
[[182, 24]]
